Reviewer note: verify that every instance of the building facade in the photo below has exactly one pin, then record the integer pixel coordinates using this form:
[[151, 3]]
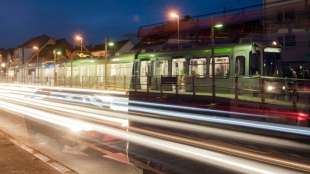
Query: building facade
[[288, 23]]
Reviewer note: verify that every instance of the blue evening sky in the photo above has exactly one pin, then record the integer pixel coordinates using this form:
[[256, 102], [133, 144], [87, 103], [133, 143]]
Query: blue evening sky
[[96, 19]]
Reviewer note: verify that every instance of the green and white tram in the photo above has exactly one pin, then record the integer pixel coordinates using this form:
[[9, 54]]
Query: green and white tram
[[195, 66]]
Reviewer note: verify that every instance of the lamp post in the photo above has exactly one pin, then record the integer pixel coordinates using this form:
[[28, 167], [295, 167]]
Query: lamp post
[[79, 38], [3, 70], [36, 49], [56, 53], [175, 15], [108, 44], [217, 26]]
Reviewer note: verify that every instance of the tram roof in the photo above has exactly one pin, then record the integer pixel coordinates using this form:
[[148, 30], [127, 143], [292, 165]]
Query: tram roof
[[218, 50]]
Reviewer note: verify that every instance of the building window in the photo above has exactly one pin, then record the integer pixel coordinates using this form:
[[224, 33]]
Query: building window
[[290, 40], [280, 17], [290, 16]]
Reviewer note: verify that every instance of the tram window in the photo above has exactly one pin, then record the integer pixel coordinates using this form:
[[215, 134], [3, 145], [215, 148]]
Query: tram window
[[271, 64], [198, 67], [240, 65], [178, 67], [163, 65], [255, 63], [221, 66]]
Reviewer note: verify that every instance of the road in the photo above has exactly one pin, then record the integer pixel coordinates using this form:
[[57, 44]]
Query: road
[[79, 127]]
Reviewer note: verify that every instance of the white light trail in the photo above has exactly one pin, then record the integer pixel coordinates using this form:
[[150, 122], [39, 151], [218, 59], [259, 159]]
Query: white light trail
[[205, 156], [121, 119]]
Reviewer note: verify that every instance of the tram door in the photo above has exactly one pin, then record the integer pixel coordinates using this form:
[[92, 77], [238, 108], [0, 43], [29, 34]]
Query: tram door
[[145, 70], [178, 69]]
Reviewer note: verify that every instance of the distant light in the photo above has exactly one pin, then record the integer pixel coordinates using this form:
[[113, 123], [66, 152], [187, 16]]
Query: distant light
[[58, 53], [111, 44], [218, 26], [274, 43], [283, 88], [36, 48], [3, 65]]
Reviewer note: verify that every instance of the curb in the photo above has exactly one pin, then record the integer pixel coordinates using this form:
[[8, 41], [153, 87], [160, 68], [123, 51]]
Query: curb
[[40, 156]]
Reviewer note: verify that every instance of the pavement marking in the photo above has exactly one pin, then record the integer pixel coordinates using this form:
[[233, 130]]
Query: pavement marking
[[42, 157], [45, 159], [59, 167], [26, 148]]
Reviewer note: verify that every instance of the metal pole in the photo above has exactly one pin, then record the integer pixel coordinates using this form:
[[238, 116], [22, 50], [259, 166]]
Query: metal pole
[[81, 45], [37, 67], [55, 73], [262, 61], [71, 73], [213, 63], [105, 63], [178, 23], [106, 47]]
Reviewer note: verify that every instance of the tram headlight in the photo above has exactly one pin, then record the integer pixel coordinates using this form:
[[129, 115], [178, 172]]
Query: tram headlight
[[270, 88]]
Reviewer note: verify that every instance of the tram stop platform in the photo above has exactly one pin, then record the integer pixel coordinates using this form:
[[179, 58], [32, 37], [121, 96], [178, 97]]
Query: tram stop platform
[[20, 159]]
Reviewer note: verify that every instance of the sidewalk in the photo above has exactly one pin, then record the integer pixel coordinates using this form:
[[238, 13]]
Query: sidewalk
[[15, 160]]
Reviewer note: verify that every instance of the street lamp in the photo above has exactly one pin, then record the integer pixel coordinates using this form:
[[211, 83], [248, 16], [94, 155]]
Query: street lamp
[[216, 26], [175, 15], [36, 49], [3, 65], [274, 43], [111, 44], [79, 38]]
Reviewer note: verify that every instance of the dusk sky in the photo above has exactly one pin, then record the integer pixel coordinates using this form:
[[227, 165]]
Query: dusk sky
[[95, 19]]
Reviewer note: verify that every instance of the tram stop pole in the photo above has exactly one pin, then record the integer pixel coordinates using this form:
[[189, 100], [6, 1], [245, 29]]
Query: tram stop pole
[[213, 63]]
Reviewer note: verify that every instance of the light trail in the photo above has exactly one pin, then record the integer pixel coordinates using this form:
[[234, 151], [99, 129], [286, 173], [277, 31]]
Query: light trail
[[195, 109], [205, 156], [227, 121], [122, 120], [53, 106], [66, 89]]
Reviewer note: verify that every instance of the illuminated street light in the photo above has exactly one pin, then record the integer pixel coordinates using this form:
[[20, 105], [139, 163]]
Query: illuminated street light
[[219, 26], [111, 44], [274, 43], [80, 39], [35, 48], [175, 15], [3, 65], [59, 53]]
